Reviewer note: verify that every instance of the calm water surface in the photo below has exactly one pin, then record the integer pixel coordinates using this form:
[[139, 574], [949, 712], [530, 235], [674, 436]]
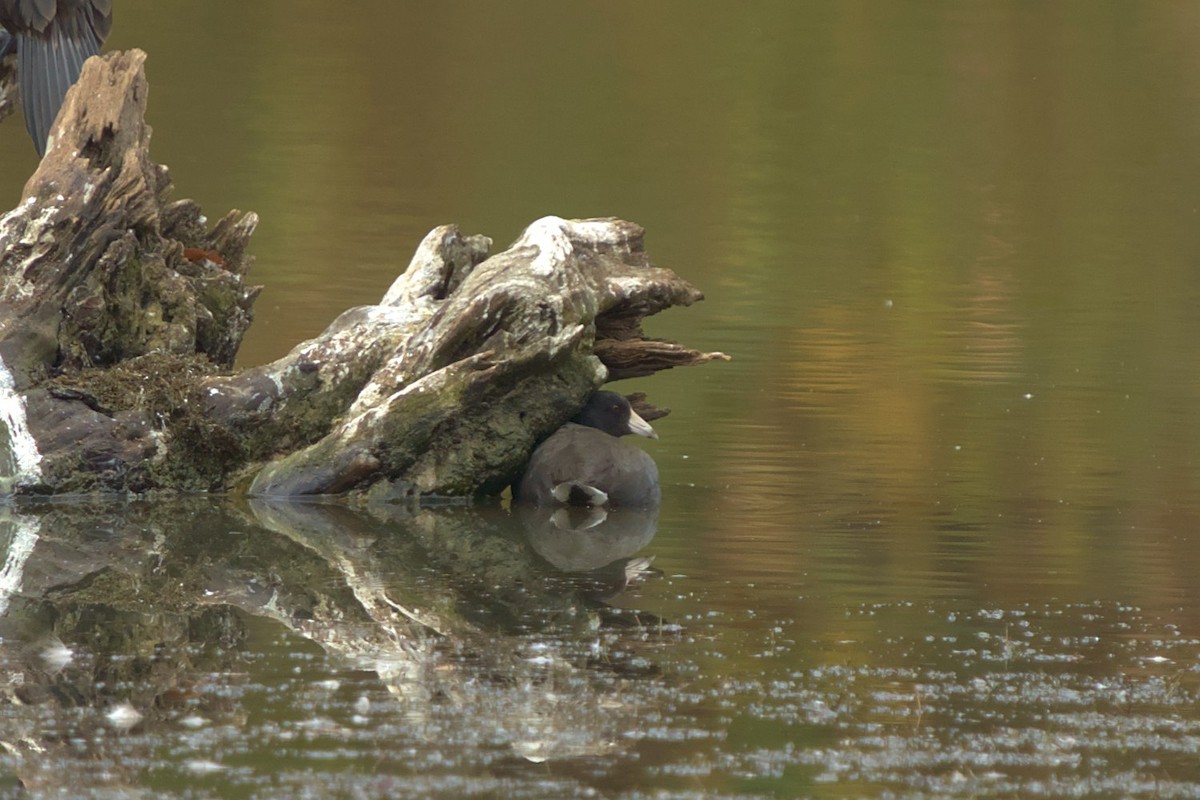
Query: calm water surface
[[932, 532]]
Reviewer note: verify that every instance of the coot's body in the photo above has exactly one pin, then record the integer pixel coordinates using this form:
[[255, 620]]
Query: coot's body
[[52, 38], [585, 463]]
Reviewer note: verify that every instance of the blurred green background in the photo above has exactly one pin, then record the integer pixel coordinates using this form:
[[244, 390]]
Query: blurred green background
[[953, 248]]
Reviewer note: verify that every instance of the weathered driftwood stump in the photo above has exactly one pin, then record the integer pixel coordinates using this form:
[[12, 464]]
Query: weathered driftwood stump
[[119, 309]]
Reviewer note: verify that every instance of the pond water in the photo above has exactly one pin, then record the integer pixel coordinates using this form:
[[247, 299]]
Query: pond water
[[931, 532]]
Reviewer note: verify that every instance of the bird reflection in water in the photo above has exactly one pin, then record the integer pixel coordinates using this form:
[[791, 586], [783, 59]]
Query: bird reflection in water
[[597, 546]]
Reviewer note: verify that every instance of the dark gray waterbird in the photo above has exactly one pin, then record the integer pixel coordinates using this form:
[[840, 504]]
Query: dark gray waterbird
[[52, 38], [586, 463]]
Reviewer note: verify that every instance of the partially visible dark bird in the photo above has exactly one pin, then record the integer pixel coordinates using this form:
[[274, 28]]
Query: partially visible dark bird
[[585, 463], [53, 38]]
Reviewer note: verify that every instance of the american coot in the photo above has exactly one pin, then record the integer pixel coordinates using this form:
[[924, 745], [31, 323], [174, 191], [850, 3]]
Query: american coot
[[53, 38], [585, 462]]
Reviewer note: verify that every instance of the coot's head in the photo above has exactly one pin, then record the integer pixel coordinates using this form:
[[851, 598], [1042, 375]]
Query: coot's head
[[611, 413]]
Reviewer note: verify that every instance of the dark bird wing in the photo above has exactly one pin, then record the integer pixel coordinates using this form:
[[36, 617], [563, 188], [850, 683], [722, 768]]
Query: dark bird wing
[[581, 465], [54, 38]]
